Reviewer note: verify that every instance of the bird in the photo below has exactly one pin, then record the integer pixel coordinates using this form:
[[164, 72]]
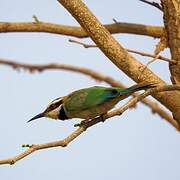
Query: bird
[[89, 103]]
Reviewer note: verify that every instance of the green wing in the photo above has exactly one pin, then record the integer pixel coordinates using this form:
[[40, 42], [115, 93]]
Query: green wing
[[89, 97]]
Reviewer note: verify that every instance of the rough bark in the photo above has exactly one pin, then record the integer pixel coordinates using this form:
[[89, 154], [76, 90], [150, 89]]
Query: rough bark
[[171, 10]]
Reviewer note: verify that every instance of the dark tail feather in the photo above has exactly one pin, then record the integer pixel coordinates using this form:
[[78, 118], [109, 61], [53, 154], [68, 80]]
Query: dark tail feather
[[141, 86]]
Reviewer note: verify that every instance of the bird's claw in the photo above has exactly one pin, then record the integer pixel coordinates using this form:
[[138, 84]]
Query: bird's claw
[[77, 125], [84, 122]]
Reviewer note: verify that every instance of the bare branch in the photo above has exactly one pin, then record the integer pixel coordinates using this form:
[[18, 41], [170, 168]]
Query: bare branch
[[130, 28], [94, 74], [54, 66], [154, 4], [83, 127], [129, 50], [171, 9], [36, 147]]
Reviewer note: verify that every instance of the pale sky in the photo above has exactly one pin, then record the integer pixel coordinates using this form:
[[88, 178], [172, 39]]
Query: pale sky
[[137, 145]]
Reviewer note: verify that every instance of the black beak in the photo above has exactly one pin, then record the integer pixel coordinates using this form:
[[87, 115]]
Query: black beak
[[40, 115]]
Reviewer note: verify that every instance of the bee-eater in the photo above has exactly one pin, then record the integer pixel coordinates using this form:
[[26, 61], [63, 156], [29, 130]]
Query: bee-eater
[[89, 103]]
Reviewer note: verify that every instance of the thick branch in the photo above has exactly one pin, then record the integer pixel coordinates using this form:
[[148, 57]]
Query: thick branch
[[83, 127], [171, 10], [94, 74], [120, 27], [117, 54]]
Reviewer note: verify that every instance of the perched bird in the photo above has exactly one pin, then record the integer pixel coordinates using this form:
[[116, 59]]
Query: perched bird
[[89, 103]]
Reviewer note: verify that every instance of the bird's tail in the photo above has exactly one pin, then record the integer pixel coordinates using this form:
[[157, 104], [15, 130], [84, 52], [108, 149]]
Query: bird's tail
[[140, 86]]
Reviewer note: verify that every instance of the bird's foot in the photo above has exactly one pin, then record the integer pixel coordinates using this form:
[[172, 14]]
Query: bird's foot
[[88, 122], [84, 122], [102, 117]]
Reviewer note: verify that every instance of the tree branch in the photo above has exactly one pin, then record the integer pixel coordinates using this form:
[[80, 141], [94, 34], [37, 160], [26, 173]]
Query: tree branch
[[83, 127], [120, 27], [94, 74], [171, 9], [129, 50]]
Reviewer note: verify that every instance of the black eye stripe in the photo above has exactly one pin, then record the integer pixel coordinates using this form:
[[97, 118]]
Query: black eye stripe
[[54, 106], [57, 103]]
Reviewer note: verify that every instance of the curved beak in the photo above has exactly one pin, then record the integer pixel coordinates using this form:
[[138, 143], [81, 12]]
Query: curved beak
[[40, 115]]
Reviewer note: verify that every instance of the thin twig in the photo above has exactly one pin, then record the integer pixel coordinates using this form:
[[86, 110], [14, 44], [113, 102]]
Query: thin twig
[[129, 50], [94, 74], [83, 44], [83, 127], [153, 56], [151, 61], [154, 4]]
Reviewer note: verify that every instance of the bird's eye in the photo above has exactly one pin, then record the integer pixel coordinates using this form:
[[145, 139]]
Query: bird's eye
[[114, 91], [54, 105]]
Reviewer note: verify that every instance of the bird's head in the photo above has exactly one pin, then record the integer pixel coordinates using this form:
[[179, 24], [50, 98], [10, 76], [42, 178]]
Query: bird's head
[[52, 110]]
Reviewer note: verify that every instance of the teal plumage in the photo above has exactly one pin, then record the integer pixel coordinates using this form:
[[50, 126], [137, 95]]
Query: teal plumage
[[89, 97], [89, 103]]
